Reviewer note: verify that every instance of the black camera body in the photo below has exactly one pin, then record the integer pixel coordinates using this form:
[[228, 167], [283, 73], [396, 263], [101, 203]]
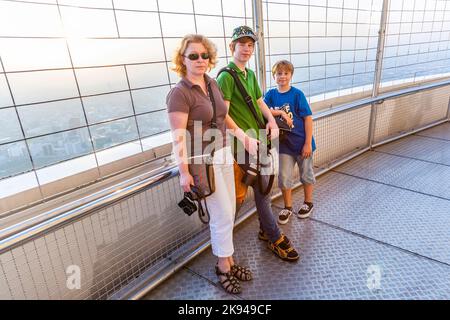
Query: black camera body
[[187, 204]]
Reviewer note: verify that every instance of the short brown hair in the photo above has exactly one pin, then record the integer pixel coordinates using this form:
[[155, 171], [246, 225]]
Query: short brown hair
[[241, 40], [177, 59], [282, 65]]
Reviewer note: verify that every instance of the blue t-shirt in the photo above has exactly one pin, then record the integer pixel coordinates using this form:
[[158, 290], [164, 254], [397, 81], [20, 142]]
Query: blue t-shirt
[[294, 103]]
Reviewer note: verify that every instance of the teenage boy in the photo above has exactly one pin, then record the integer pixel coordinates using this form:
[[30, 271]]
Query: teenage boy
[[242, 122], [298, 145]]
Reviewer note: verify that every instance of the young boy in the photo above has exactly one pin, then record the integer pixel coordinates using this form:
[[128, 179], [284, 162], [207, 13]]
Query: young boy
[[241, 121], [298, 145]]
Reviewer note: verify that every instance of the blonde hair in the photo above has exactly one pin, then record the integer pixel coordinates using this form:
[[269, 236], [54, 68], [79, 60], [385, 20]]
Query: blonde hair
[[282, 65], [177, 59]]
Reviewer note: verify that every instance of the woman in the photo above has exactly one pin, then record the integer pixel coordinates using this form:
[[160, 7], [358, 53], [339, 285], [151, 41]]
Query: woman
[[190, 111]]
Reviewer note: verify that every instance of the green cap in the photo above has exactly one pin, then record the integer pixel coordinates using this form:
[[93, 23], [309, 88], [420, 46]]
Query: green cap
[[243, 31]]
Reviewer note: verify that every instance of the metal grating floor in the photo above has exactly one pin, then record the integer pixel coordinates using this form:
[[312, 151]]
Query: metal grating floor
[[387, 210]]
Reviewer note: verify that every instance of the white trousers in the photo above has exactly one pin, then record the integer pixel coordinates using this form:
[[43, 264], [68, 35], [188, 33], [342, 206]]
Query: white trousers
[[222, 204]]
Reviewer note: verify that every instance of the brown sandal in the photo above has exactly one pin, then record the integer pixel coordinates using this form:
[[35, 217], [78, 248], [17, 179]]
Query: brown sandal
[[242, 273], [230, 284]]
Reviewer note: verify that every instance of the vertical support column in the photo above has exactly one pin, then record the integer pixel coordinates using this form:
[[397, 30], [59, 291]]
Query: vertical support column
[[448, 110], [378, 69], [258, 23]]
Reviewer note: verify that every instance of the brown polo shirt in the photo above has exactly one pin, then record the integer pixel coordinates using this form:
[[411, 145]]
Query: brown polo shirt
[[189, 98]]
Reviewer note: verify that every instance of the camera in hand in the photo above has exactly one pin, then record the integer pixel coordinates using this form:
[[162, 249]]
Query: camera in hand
[[187, 204]]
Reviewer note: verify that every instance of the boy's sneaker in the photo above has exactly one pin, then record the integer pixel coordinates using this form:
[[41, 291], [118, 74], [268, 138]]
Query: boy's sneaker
[[262, 236], [305, 210], [284, 215], [284, 249]]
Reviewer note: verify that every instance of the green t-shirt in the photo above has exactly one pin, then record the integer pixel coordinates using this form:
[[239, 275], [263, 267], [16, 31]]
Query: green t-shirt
[[239, 110]]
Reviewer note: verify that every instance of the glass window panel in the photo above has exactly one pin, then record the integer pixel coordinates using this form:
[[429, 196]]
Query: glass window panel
[[317, 14], [234, 8], [34, 54], [278, 11], [362, 30], [147, 75], [300, 60], [213, 7], [96, 23], [40, 86], [106, 4], [299, 45], [209, 26], [149, 5], [153, 123], [317, 73], [360, 55], [230, 24], [352, 4], [101, 80], [107, 107], [334, 29], [58, 147], [332, 84], [348, 30], [182, 6], [151, 99], [299, 29], [29, 20], [66, 169], [14, 159], [113, 52], [350, 16], [347, 43], [299, 13], [279, 46], [333, 57], [300, 75], [317, 29], [346, 68], [316, 87], [347, 56], [5, 95], [361, 42], [333, 71], [9, 126], [40, 1], [109, 134], [334, 15], [316, 59], [336, 3], [185, 24], [138, 24], [40, 119], [278, 29]]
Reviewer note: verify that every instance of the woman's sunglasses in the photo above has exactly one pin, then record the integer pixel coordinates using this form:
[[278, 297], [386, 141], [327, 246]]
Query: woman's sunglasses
[[195, 56]]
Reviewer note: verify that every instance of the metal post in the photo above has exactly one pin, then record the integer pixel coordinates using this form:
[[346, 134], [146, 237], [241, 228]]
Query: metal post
[[378, 69], [448, 110], [258, 23]]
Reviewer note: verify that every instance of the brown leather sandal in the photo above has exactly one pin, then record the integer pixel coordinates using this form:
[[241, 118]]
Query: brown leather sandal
[[230, 283], [242, 273]]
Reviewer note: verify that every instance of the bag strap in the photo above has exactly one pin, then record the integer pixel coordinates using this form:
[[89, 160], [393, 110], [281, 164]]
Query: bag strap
[[249, 102], [247, 98]]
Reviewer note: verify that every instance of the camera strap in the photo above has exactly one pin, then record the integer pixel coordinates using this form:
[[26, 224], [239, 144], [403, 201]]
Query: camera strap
[[249, 102]]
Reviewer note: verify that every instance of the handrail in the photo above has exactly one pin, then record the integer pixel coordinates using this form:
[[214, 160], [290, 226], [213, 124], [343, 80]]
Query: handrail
[[379, 99], [34, 230]]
